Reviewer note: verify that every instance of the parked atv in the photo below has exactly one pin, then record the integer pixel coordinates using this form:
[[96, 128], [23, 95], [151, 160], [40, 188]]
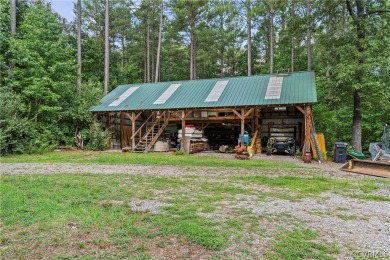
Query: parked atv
[[281, 145]]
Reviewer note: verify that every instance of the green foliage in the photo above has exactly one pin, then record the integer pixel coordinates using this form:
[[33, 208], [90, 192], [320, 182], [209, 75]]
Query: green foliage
[[16, 132], [44, 65], [97, 138], [42, 106], [339, 72], [179, 152], [302, 244], [39, 63]]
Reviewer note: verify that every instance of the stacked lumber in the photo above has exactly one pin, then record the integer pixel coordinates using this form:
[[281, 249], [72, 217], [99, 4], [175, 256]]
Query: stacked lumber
[[257, 145], [198, 145]]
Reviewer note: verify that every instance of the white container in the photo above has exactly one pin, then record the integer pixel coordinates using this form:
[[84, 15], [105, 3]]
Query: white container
[[160, 146]]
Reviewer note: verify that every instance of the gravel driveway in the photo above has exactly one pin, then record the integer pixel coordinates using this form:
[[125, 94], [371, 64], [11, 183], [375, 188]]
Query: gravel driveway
[[359, 227]]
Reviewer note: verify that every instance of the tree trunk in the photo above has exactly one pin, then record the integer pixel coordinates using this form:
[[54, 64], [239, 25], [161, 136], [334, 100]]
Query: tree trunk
[[222, 66], [123, 51], [78, 44], [308, 34], [13, 16], [147, 51], [292, 12], [357, 122], [271, 39], [358, 19], [193, 47], [159, 43], [107, 49], [249, 39]]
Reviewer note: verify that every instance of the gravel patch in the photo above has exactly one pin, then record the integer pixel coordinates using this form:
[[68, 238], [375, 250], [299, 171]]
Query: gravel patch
[[363, 225], [346, 221], [151, 206]]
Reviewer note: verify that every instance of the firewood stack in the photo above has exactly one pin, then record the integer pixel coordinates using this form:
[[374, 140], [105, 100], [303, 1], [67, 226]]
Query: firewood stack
[[257, 146], [198, 145]]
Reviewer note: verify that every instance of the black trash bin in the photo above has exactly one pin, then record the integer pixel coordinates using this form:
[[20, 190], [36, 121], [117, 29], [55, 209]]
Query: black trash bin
[[340, 152]]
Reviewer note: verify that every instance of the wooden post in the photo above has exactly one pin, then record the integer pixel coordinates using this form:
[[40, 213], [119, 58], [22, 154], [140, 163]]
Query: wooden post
[[256, 128], [108, 121], [122, 132], [204, 127], [132, 130], [108, 144], [183, 130], [253, 120], [308, 115], [94, 118], [242, 126]]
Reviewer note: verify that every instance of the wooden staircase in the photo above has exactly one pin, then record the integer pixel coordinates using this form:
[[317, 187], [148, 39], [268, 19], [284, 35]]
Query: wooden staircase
[[152, 134]]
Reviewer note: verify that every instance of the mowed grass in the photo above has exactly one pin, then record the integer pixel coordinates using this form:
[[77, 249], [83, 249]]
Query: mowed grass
[[89, 216], [140, 158]]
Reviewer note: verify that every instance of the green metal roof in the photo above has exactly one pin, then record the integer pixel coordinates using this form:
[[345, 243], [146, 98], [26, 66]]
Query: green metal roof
[[297, 88]]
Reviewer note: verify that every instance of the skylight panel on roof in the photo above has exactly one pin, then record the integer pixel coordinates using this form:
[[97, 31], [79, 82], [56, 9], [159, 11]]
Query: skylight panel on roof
[[122, 97], [274, 88], [217, 90], [167, 94]]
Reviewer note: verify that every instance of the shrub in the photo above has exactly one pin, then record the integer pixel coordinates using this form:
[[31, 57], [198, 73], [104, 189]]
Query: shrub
[[96, 139]]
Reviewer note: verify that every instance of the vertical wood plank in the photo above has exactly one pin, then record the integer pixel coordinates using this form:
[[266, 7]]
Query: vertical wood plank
[[307, 152], [183, 130], [132, 118], [242, 126]]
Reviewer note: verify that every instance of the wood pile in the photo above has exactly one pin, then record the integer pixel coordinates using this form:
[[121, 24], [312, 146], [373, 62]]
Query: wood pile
[[126, 149], [241, 152], [257, 146], [197, 146]]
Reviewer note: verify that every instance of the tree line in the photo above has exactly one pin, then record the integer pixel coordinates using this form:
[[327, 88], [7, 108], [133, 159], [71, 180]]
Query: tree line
[[53, 70]]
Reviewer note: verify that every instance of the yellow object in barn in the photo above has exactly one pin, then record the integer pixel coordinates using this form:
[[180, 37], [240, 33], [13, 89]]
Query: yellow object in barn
[[321, 146], [250, 148]]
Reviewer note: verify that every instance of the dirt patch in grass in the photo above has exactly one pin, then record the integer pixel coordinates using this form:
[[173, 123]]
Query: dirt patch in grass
[[189, 212], [176, 247]]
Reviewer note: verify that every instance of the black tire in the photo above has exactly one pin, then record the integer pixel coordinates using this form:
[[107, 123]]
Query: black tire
[[293, 149]]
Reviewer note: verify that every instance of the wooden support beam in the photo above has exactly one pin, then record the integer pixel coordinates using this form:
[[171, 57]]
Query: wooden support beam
[[108, 120], [108, 144], [207, 119], [204, 127], [243, 115], [249, 112], [122, 132], [301, 109], [307, 152], [94, 117], [258, 128], [242, 126], [183, 129], [188, 113], [133, 116], [132, 130], [238, 114]]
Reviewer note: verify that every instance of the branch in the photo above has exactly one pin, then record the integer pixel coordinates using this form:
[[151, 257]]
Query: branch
[[350, 11], [377, 12]]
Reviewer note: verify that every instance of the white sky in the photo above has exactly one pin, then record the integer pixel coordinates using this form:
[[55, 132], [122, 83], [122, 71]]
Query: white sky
[[64, 8]]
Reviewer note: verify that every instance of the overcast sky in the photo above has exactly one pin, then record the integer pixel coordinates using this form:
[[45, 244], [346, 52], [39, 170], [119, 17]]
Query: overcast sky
[[64, 8]]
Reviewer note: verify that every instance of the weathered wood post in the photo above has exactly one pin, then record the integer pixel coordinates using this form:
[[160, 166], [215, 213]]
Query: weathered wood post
[[132, 118], [242, 126], [307, 152]]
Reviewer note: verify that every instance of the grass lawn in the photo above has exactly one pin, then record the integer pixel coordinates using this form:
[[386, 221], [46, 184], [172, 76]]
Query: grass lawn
[[136, 216], [140, 158]]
